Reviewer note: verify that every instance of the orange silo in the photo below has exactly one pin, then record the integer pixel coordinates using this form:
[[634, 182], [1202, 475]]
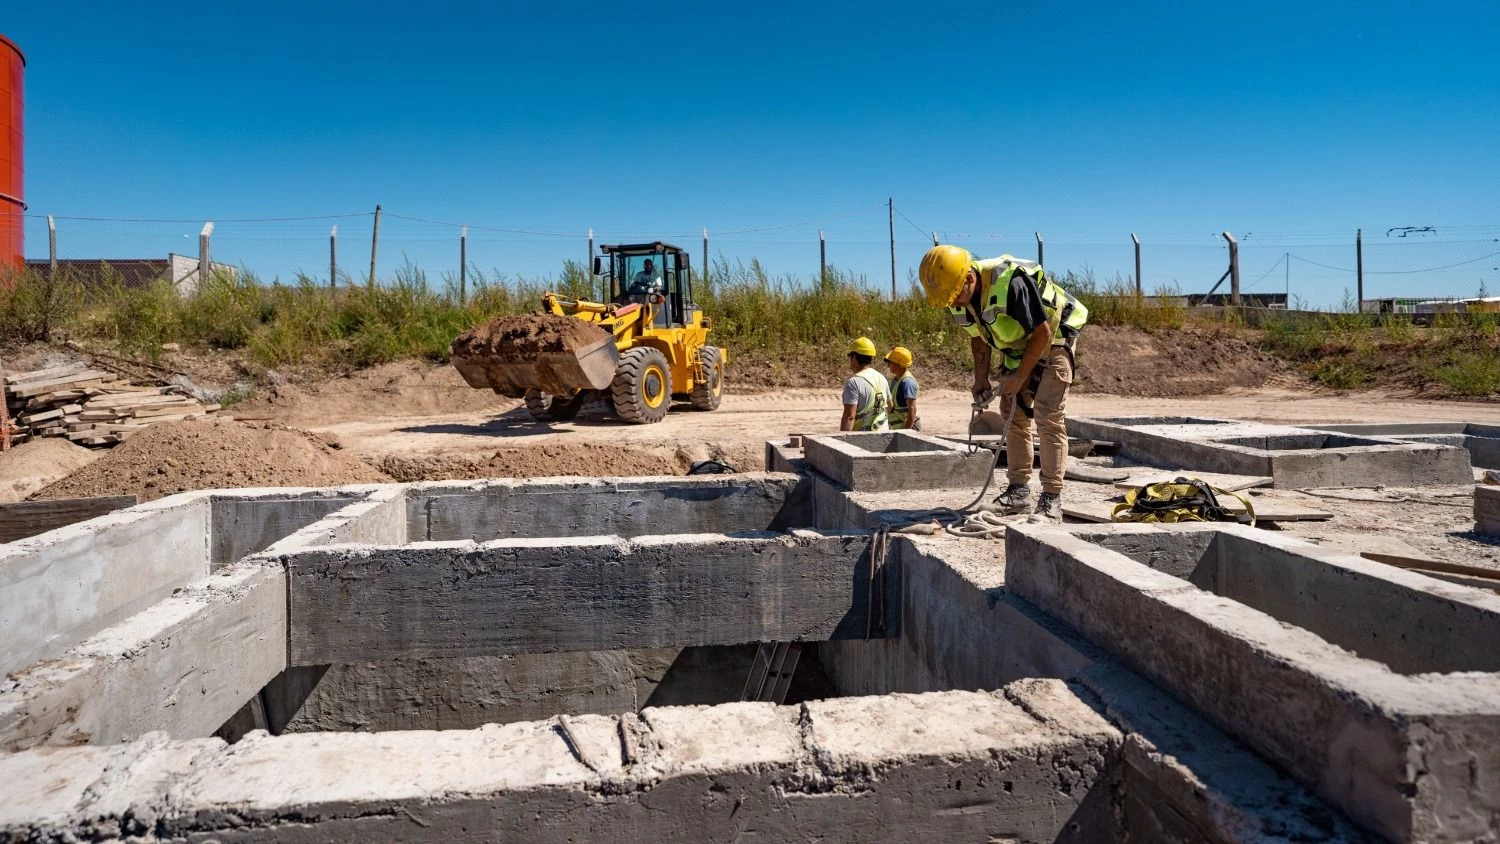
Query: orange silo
[[12, 172]]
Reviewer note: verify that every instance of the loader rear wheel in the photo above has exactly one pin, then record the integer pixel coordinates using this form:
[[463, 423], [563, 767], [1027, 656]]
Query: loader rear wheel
[[545, 407], [709, 391], [642, 389]]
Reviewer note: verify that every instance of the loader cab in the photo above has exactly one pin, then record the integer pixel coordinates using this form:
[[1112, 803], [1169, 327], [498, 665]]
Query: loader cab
[[638, 273]]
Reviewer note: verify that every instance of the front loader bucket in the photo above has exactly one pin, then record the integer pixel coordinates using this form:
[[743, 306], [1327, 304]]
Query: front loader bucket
[[590, 367]]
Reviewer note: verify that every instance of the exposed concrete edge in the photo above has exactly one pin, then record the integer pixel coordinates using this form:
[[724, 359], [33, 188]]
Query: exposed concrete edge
[[183, 666], [368, 519], [573, 482]]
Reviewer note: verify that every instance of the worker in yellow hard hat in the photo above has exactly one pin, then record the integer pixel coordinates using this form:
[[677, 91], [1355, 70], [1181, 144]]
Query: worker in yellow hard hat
[[903, 390], [867, 395], [1011, 308]]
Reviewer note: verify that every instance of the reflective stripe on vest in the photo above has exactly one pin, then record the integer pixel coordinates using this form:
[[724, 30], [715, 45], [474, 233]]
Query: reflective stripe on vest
[[898, 413], [871, 413], [1066, 314]]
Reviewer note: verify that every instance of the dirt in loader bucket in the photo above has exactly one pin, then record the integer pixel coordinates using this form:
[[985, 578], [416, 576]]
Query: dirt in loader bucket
[[554, 354]]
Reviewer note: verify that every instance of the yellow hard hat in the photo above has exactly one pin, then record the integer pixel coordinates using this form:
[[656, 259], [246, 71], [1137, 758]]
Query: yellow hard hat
[[862, 346], [900, 356], [942, 272]]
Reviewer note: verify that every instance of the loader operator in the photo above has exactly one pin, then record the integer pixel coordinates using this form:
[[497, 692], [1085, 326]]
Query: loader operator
[[867, 395], [646, 282], [1012, 307]]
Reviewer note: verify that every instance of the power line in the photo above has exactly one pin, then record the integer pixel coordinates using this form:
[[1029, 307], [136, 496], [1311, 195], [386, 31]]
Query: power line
[[924, 232], [1400, 272], [1268, 272], [201, 219], [803, 222]]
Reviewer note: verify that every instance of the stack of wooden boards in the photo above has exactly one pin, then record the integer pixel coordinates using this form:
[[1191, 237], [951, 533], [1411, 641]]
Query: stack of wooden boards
[[91, 407]]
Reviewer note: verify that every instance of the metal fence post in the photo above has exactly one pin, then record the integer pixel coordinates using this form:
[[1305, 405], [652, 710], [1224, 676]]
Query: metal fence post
[[1039, 258], [1137, 242], [891, 203], [333, 257], [205, 259], [822, 258], [463, 266], [705, 255], [1234, 269], [1359, 267], [374, 245], [51, 249]]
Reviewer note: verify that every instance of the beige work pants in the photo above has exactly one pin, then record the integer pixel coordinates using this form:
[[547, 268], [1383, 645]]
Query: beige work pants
[[1048, 403]]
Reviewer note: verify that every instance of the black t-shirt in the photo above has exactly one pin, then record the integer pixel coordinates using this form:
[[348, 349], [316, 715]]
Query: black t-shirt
[[1024, 302]]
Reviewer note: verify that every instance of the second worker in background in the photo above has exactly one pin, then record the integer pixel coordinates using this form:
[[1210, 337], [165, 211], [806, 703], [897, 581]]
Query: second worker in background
[[1010, 308]]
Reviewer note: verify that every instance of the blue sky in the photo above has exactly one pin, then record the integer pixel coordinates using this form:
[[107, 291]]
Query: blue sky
[[1295, 123]]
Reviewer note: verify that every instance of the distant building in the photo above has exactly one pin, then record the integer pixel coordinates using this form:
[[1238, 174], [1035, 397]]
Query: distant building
[[1248, 300], [1419, 307], [181, 270]]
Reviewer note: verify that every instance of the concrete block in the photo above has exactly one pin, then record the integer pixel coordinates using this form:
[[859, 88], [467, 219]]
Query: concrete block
[[182, 666], [896, 460], [851, 770], [628, 507], [355, 603], [1487, 509], [60, 587]]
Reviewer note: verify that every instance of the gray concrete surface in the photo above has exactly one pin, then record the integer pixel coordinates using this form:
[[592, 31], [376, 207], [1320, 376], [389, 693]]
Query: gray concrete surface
[[1481, 441], [62, 586], [1296, 458], [181, 666], [354, 603], [1487, 510], [247, 521], [893, 768], [895, 460], [1412, 757], [629, 507]]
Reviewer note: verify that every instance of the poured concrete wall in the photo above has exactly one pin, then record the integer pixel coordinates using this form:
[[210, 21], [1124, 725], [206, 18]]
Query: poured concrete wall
[[353, 603], [181, 666], [896, 460], [1481, 441], [1487, 510], [1021, 766], [60, 587], [249, 521], [629, 507]]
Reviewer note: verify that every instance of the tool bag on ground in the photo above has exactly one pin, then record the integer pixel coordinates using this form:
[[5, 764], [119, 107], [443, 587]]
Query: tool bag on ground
[[1182, 500]]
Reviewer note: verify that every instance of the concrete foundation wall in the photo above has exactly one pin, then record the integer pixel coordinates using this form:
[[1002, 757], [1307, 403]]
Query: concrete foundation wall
[[1481, 441], [1487, 510], [60, 587], [628, 507], [353, 603], [182, 666], [951, 766], [898, 460], [248, 521]]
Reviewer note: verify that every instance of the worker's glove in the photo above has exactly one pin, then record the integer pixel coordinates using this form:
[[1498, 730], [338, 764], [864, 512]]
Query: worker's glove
[[982, 397]]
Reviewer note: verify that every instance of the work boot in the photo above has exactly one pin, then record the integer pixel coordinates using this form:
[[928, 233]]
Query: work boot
[[1048, 509], [1014, 499]]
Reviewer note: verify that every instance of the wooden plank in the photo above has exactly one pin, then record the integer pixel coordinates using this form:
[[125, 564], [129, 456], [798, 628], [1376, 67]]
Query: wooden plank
[[166, 412], [1269, 511], [87, 378], [29, 518], [44, 374], [1094, 474], [1233, 483]]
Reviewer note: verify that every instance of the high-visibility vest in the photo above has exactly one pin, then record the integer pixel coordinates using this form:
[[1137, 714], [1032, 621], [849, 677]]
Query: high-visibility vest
[[871, 414], [1066, 314], [898, 414]]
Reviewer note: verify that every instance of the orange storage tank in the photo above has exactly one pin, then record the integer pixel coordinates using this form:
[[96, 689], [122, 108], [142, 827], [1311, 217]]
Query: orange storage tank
[[12, 172]]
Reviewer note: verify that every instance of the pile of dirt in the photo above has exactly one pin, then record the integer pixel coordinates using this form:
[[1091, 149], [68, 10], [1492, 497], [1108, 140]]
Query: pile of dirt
[[30, 466], [407, 388], [212, 454], [541, 461], [526, 335], [1125, 361]]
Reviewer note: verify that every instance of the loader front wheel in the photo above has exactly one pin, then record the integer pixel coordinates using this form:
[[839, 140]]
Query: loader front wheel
[[545, 407], [642, 389], [709, 390]]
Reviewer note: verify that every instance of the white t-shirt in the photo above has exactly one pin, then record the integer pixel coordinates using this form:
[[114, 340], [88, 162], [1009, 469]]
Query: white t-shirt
[[857, 391], [646, 282]]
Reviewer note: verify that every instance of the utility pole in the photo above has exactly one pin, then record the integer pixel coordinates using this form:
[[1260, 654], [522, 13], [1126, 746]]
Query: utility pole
[[51, 249], [822, 258], [1286, 261], [1359, 267], [1234, 268], [205, 259], [1039, 258], [333, 257], [891, 205], [1137, 242], [374, 245], [463, 266]]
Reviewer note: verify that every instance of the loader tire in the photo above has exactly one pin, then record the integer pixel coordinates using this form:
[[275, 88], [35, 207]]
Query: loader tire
[[709, 391], [642, 389], [545, 407]]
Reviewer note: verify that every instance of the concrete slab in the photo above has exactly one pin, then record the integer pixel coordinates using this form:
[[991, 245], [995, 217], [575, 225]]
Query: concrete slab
[[352, 603], [833, 771], [895, 460], [1297, 458]]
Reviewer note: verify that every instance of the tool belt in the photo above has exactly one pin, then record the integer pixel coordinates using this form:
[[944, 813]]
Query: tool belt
[[1181, 500], [1035, 381]]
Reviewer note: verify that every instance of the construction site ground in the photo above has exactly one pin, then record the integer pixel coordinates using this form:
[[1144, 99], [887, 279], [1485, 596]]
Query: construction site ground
[[411, 421]]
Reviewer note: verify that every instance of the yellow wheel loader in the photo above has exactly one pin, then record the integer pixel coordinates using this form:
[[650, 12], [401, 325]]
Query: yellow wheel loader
[[650, 349]]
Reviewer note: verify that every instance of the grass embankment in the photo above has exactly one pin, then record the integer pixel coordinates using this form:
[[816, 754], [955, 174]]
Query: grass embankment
[[1457, 355]]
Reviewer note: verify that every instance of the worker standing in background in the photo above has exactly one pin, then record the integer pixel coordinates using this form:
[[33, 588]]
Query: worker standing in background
[[903, 391], [1011, 307], [867, 395]]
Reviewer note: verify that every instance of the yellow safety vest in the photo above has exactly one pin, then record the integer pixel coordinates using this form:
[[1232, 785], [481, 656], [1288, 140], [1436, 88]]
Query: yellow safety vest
[[898, 414], [991, 324], [870, 415]]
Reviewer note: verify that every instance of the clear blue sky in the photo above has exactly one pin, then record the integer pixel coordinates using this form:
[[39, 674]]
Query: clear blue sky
[[1294, 122]]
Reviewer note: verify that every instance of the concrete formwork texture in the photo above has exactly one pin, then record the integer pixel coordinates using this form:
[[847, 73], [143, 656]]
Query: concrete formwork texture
[[1295, 458], [1481, 441], [1487, 510], [896, 460], [504, 596]]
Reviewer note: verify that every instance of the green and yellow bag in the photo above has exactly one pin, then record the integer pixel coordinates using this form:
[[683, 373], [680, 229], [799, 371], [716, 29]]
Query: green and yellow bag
[[1182, 500]]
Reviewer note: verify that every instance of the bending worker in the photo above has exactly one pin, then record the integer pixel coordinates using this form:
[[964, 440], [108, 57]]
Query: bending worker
[[903, 390], [867, 395], [1011, 308]]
